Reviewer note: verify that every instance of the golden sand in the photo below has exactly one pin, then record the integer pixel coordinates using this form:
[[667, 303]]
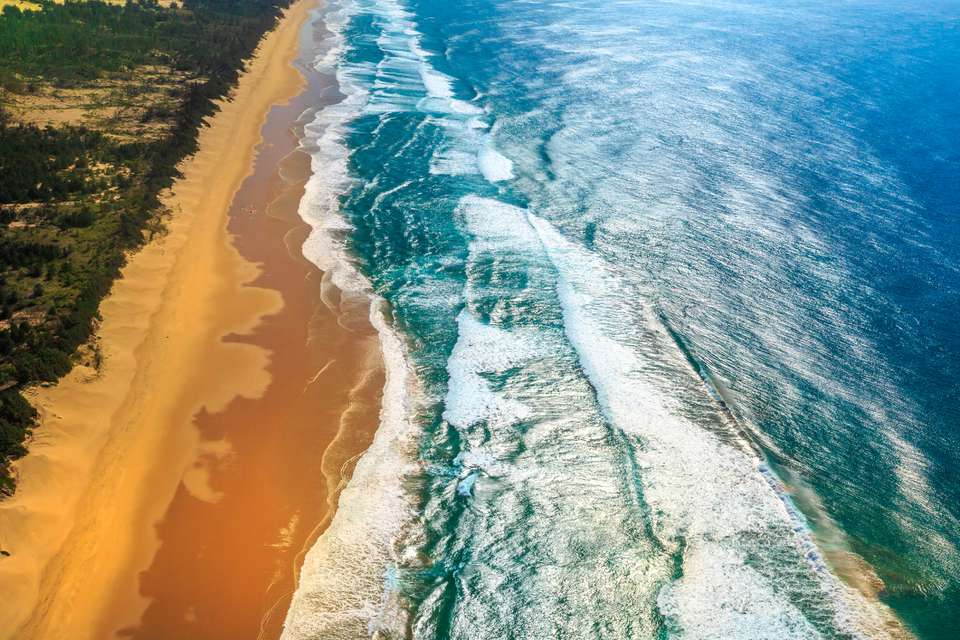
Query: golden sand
[[114, 447], [270, 468]]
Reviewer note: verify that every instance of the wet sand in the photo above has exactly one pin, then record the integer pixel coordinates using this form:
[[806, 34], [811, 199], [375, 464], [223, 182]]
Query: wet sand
[[170, 494]]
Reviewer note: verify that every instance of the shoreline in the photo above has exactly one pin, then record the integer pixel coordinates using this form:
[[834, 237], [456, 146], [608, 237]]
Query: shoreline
[[267, 481], [114, 447]]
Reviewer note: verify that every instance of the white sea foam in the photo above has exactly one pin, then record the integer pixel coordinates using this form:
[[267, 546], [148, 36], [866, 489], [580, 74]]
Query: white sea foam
[[700, 489], [453, 162], [482, 349], [752, 608], [404, 80], [347, 585], [495, 225], [323, 140], [471, 464], [438, 85], [547, 497], [710, 501], [494, 166], [708, 493], [482, 459]]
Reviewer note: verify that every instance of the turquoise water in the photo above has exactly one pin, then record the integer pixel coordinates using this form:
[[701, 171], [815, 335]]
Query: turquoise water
[[666, 293]]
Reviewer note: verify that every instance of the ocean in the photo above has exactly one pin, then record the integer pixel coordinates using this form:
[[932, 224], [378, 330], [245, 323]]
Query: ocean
[[667, 294]]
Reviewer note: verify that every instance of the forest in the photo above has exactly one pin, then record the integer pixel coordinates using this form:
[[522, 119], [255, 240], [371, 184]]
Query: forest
[[98, 105]]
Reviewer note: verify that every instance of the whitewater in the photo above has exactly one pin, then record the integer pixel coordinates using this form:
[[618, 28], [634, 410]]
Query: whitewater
[[619, 257]]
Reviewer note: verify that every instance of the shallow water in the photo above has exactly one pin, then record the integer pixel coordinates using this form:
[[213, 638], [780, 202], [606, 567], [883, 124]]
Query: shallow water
[[665, 294]]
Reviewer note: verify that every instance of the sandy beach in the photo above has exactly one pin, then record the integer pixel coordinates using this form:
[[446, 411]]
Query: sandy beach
[[208, 444]]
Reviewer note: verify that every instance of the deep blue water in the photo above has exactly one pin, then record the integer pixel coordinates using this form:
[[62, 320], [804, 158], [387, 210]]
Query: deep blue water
[[670, 317]]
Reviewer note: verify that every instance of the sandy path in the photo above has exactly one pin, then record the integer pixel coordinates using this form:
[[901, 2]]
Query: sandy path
[[113, 447]]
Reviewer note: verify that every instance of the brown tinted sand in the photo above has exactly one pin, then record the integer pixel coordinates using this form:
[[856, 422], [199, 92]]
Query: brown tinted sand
[[170, 494]]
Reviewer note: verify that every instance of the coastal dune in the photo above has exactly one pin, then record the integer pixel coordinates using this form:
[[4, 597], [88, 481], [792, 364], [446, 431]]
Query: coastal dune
[[114, 444]]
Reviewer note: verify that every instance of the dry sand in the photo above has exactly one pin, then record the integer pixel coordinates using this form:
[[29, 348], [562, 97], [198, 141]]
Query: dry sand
[[114, 447]]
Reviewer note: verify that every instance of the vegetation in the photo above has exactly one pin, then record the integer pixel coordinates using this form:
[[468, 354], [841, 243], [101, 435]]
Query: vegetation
[[81, 190]]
